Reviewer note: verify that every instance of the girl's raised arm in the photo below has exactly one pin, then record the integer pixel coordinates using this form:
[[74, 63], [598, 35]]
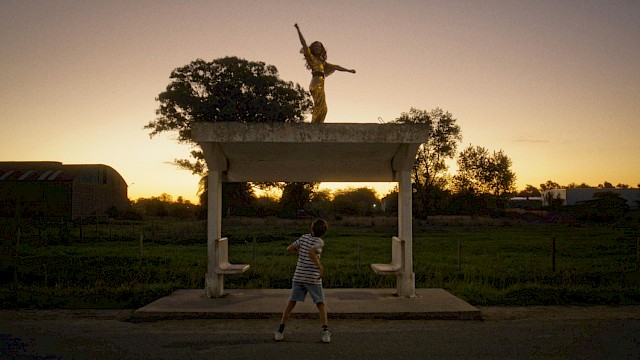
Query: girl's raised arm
[[302, 41]]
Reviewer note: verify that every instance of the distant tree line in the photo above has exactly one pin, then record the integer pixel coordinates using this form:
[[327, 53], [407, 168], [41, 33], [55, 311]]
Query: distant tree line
[[301, 200], [605, 185], [164, 206]]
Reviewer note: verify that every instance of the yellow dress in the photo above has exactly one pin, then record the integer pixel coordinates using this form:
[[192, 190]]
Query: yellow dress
[[320, 69]]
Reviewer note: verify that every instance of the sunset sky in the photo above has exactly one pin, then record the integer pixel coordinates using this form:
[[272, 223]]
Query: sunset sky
[[554, 84]]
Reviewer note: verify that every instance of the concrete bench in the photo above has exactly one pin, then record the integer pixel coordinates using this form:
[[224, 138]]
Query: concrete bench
[[224, 267], [397, 259]]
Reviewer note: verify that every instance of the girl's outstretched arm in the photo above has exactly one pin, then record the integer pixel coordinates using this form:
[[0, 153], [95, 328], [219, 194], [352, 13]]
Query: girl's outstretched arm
[[330, 68], [340, 68]]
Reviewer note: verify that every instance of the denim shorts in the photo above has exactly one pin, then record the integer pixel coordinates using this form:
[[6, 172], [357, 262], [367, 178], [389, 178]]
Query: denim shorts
[[299, 292]]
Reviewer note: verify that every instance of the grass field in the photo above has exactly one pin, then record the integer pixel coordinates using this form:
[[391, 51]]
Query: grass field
[[500, 262]]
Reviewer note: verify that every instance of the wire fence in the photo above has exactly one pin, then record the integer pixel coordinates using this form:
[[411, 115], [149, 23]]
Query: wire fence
[[58, 230]]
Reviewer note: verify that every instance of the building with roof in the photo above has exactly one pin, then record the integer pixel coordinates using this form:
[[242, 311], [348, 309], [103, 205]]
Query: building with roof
[[53, 189], [574, 196]]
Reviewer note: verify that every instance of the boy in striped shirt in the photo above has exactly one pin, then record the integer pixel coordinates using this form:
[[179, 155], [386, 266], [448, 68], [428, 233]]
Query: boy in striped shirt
[[307, 277]]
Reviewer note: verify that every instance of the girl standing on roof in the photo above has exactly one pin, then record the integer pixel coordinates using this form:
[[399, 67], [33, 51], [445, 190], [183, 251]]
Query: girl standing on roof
[[316, 57]]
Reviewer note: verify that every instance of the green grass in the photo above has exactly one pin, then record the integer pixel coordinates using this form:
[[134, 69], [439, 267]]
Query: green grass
[[501, 263], [513, 265]]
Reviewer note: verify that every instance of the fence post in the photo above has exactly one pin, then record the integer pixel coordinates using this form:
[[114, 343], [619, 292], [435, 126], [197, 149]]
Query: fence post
[[254, 249], [18, 236], [61, 231], [17, 257], [81, 230], [40, 229], [141, 245], [46, 275], [459, 253], [553, 253], [638, 254], [359, 254]]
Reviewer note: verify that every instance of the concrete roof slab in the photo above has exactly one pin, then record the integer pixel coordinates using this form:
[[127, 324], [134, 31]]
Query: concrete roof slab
[[309, 152]]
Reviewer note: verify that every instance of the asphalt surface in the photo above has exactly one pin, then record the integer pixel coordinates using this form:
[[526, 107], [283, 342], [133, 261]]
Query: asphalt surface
[[505, 333]]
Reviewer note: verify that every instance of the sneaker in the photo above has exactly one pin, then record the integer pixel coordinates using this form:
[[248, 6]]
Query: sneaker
[[280, 336], [326, 336]]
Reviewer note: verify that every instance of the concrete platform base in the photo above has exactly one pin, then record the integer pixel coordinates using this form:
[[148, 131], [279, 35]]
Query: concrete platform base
[[342, 304]]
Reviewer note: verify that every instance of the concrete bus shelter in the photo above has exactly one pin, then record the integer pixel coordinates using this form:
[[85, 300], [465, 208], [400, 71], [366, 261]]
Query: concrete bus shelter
[[343, 152]]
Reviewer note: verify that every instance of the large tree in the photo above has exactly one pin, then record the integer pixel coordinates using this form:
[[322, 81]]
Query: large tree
[[482, 172], [529, 191], [430, 168], [550, 185], [482, 179], [226, 89], [296, 196], [360, 201]]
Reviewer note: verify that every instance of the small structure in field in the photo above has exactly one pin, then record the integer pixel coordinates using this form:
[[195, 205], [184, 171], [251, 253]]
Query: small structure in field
[[53, 189]]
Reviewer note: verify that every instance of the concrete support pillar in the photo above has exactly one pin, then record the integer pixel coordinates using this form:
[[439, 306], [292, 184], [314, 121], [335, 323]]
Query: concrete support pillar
[[406, 282], [214, 282]]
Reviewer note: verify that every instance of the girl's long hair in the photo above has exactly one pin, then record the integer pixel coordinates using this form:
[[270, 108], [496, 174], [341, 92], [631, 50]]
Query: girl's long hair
[[323, 53]]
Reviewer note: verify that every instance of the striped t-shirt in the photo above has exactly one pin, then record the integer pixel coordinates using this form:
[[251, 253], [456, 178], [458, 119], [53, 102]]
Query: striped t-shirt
[[306, 270]]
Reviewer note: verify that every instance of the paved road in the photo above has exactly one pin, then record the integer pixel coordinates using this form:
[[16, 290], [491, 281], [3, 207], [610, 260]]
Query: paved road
[[506, 333]]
